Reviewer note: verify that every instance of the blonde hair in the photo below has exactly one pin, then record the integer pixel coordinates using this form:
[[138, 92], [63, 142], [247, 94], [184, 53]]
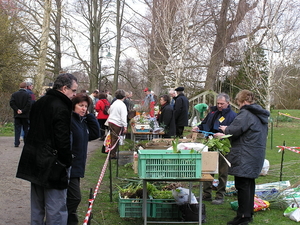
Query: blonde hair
[[245, 95]]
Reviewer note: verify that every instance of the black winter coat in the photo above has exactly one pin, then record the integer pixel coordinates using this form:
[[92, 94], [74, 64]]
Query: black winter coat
[[83, 129], [166, 117], [181, 110], [248, 142], [50, 129], [21, 100]]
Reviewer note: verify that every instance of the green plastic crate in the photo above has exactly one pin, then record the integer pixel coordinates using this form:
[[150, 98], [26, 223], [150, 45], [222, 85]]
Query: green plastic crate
[[132, 207], [165, 208], [164, 164]]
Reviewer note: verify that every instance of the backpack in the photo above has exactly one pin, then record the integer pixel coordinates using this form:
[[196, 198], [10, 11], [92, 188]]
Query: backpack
[[106, 108]]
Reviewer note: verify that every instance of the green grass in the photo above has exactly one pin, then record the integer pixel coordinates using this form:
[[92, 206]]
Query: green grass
[[106, 212], [7, 129]]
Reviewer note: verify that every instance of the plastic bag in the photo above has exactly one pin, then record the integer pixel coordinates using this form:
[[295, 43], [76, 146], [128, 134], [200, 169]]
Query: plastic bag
[[295, 216], [260, 204], [265, 168], [107, 143], [181, 196], [289, 210], [121, 141], [190, 212]]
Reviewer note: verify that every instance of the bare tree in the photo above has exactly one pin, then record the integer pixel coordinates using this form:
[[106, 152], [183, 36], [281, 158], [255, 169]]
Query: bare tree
[[40, 76], [89, 23]]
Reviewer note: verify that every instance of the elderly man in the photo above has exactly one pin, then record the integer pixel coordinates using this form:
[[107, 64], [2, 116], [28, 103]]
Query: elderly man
[[220, 115], [172, 94], [46, 156]]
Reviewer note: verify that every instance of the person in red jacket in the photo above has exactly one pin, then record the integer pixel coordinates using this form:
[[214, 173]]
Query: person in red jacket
[[102, 114], [149, 101]]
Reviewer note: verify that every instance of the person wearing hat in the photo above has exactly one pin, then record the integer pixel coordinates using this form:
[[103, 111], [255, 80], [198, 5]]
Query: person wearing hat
[[149, 101], [181, 109]]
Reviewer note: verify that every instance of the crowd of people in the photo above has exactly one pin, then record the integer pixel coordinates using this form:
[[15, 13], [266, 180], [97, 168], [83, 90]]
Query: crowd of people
[[58, 127]]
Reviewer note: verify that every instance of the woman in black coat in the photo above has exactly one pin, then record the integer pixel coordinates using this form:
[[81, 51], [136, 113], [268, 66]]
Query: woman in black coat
[[165, 116], [85, 127]]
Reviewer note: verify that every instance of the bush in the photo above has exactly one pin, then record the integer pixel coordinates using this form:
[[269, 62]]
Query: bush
[[6, 112]]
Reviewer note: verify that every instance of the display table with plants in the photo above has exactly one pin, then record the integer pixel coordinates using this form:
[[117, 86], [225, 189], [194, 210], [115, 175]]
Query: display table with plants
[[143, 125]]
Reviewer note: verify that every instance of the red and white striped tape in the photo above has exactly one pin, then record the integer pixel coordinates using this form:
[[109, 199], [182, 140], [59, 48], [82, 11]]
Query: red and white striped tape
[[91, 201], [289, 148]]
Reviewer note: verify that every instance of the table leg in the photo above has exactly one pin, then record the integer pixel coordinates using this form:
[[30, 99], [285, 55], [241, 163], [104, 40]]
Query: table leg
[[144, 210], [200, 202]]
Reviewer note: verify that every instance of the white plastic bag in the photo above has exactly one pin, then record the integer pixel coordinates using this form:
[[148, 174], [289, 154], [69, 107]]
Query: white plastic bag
[[181, 196], [295, 216], [265, 168]]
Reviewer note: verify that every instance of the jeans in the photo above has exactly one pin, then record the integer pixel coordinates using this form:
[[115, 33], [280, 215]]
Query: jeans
[[19, 123], [48, 205]]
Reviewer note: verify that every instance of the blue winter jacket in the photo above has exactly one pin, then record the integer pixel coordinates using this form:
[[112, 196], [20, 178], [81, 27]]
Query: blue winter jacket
[[211, 124], [84, 129]]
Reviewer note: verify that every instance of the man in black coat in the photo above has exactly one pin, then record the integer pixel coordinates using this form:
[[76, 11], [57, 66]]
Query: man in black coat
[[181, 111], [20, 102], [46, 157]]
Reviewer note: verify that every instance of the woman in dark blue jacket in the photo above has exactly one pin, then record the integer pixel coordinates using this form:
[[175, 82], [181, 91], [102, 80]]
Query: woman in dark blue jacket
[[85, 127]]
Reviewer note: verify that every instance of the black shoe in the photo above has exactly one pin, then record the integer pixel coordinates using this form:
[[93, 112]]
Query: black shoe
[[16, 146], [240, 221], [206, 198]]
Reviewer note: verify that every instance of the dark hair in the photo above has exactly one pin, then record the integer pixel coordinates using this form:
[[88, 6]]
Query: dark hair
[[80, 97], [102, 95], [120, 94], [166, 98], [65, 79]]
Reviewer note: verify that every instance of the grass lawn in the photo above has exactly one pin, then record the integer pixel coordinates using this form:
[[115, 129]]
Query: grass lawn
[[106, 212]]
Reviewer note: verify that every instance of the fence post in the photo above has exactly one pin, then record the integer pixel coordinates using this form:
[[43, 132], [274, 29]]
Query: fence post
[[282, 158]]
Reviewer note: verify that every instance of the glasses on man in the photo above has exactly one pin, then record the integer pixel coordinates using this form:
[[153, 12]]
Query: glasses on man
[[73, 90]]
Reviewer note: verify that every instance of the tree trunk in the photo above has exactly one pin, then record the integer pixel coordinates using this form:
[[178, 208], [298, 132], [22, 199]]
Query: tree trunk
[[57, 60], [40, 76], [118, 47]]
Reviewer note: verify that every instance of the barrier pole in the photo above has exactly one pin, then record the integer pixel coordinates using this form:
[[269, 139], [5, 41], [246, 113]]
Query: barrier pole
[[91, 214], [282, 158]]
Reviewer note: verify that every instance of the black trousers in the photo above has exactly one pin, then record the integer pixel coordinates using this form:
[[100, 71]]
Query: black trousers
[[179, 131], [103, 128], [246, 189], [73, 200], [19, 124]]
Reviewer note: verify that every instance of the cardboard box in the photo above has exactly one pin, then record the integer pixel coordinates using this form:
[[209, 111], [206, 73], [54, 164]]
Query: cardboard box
[[210, 162]]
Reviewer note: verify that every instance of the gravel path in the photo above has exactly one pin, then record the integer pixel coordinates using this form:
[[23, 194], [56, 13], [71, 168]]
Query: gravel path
[[15, 193]]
